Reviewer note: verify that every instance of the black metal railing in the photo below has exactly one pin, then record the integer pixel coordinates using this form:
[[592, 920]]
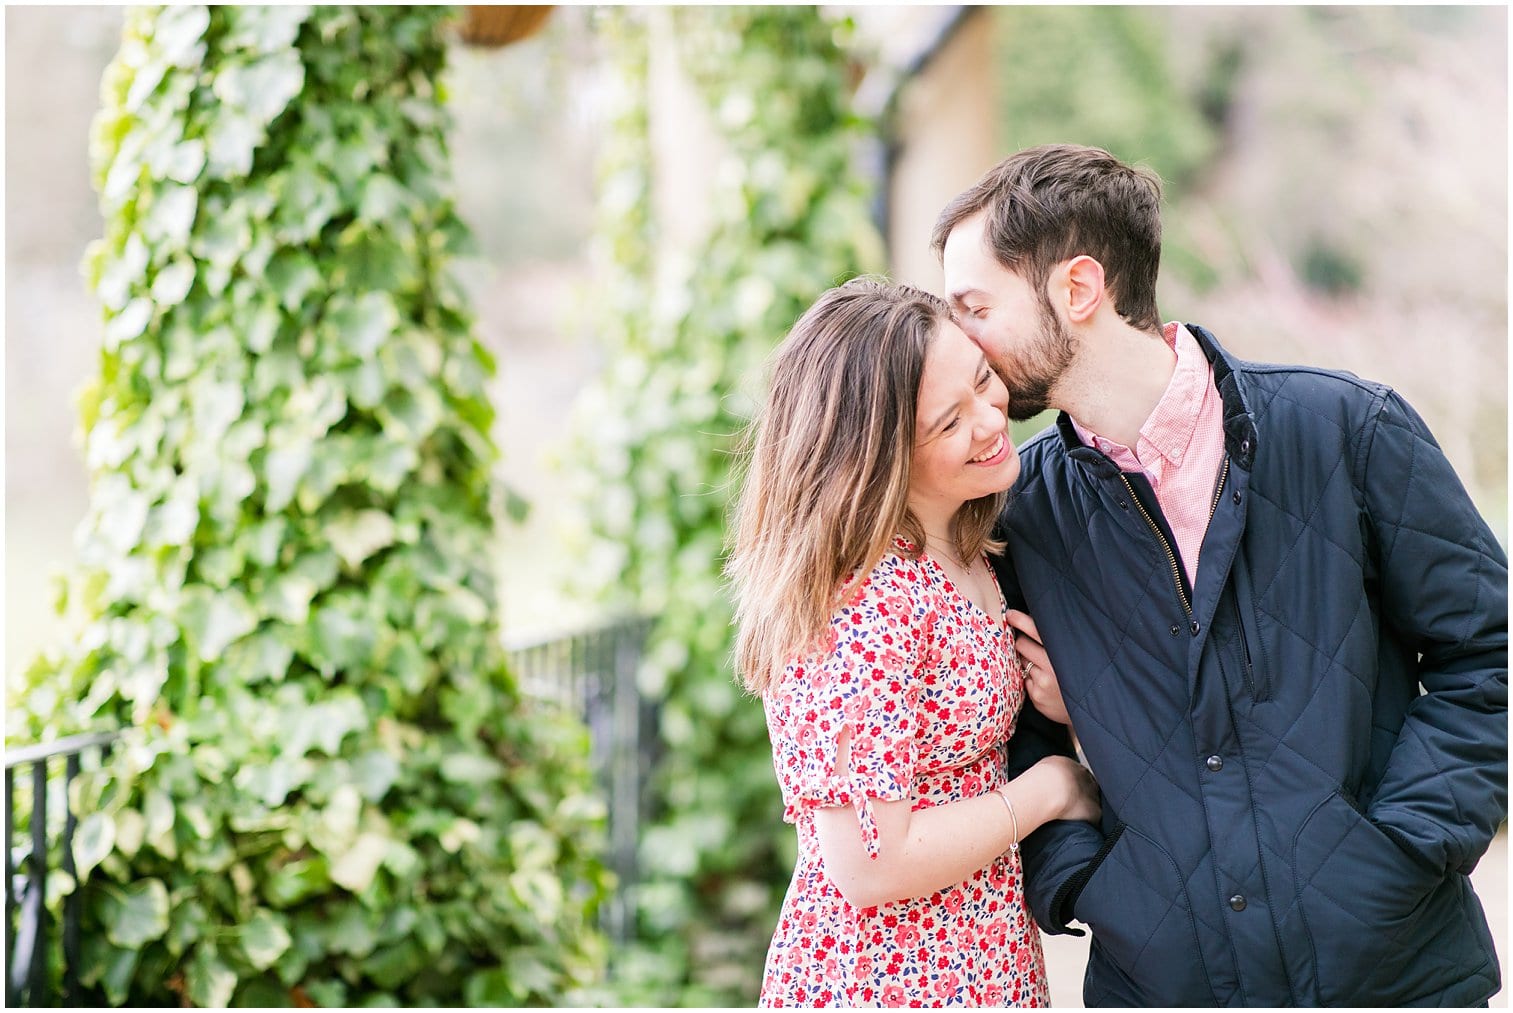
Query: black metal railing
[[30, 942], [594, 673]]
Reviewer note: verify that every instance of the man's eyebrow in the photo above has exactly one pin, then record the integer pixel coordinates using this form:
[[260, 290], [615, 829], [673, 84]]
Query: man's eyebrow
[[959, 296]]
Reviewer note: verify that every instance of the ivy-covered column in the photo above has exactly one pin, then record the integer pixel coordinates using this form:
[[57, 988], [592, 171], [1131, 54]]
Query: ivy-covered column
[[330, 791], [690, 331]]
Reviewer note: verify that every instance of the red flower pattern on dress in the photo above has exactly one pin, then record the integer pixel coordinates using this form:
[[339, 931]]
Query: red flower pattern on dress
[[928, 687]]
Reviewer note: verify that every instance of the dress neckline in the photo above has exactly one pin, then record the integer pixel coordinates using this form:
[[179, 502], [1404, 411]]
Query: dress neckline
[[1002, 620]]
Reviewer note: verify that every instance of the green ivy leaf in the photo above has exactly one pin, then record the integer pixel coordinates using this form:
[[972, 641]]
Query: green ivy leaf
[[171, 215], [262, 88], [177, 32], [264, 939], [342, 638], [290, 883], [128, 324], [470, 768], [374, 773], [360, 326], [110, 967], [355, 869], [353, 932], [231, 142], [382, 199], [93, 840], [210, 982], [212, 620], [158, 833], [186, 162], [357, 536], [265, 28], [307, 199], [539, 891], [137, 913], [288, 598], [272, 782]]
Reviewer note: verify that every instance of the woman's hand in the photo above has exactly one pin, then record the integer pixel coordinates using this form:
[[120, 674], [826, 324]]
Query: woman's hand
[[1072, 784], [1040, 683]]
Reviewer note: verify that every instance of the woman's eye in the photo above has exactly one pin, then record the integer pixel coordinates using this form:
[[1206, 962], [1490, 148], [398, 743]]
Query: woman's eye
[[950, 425], [982, 381]]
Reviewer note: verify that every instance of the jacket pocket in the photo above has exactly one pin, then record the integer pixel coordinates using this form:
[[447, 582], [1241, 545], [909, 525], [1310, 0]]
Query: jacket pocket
[[1378, 922], [1135, 903], [1252, 650], [1259, 690]]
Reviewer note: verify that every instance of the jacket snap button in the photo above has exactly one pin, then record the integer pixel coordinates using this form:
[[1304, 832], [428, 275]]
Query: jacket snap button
[[1237, 499], [1237, 902], [1176, 631], [1123, 503], [1196, 627], [1244, 446], [1215, 763]]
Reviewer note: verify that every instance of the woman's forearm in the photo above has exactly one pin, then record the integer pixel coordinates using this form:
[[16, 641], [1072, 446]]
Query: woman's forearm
[[924, 850]]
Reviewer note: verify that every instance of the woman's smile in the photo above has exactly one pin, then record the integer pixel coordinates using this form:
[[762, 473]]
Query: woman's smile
[[995, 454]]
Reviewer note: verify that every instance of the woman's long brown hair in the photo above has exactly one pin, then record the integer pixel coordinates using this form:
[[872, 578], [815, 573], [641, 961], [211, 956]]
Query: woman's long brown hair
[[827, 477]]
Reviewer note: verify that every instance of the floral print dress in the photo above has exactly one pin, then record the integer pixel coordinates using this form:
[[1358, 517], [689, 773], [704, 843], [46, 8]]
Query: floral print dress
[[929, 687]]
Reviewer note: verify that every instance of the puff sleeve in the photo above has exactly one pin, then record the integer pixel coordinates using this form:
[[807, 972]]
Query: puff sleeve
[[864, 689]]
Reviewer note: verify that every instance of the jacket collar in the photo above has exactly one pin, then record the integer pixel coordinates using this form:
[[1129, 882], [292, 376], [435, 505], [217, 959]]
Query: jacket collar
[[1239, 423]]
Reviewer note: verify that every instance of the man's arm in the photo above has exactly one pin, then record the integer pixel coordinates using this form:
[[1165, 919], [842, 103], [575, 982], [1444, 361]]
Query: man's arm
[[1443, 580], [1056, 855]]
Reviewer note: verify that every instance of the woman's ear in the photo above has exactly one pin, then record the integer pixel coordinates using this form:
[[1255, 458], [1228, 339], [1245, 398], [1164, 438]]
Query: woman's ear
[[1082, 278]]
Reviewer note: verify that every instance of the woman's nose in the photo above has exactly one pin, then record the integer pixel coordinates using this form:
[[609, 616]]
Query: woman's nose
[[989, 419]]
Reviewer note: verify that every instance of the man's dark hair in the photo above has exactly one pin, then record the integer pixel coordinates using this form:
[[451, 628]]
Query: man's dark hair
[[1048, 204]]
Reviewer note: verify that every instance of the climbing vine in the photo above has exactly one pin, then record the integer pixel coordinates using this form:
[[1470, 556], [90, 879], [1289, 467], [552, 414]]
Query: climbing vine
[[330, 789], [689, 338]]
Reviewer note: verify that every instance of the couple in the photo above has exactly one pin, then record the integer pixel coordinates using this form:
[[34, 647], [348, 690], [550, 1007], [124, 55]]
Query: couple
[[1278, 627]]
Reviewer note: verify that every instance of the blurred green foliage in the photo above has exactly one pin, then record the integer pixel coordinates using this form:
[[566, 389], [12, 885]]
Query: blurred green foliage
[[689, 343], [1103, 76], [330, 788]]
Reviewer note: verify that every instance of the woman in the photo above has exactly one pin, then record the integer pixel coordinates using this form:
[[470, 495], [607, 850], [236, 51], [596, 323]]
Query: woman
[[873, 629]]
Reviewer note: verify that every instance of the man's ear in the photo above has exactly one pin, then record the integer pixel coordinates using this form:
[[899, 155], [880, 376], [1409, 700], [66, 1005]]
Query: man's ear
[[1080, 284]]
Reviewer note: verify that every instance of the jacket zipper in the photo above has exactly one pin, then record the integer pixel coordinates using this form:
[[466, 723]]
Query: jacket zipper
[[1171, 557], [1213, 507]]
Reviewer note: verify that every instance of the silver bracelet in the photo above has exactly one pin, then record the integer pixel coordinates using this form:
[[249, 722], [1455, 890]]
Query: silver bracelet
[[999, 791]]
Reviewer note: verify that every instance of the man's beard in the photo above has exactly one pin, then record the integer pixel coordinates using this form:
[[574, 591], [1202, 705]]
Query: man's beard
[[1031, 376]]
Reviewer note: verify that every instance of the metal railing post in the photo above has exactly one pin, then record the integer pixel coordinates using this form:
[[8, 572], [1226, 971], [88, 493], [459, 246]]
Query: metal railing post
[[594, 673], [11, 999], [29, 943], [71, 902], [33, 961], [625, 772]]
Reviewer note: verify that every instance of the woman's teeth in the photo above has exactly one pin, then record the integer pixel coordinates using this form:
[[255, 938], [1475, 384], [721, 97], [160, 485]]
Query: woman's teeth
[[990, 453]]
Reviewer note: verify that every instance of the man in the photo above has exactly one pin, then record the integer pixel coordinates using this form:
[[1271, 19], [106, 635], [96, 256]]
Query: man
[[1278, 622]]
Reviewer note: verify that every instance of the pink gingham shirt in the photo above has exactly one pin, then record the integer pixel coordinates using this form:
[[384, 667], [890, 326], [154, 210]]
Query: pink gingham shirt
[[1181, 446]]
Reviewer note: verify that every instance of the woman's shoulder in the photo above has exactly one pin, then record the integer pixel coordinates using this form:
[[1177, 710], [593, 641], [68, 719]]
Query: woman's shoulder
[[894, 597], [883, 619], [897, 572]]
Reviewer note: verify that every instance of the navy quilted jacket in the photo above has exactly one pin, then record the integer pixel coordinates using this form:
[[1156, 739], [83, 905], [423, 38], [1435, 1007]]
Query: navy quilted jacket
[[1303, 755]]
